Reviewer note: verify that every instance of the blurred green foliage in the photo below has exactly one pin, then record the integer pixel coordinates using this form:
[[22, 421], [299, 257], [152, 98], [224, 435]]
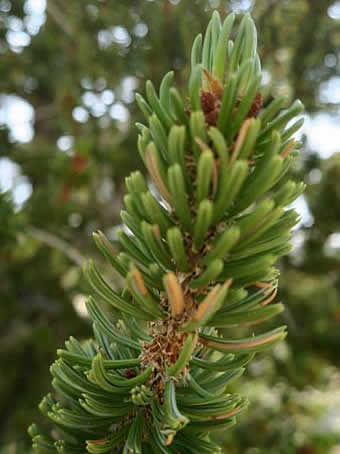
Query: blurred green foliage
[[77, 64]]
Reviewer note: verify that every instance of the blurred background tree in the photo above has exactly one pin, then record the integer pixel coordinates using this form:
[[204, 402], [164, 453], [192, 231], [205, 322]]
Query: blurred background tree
[[69, 70]]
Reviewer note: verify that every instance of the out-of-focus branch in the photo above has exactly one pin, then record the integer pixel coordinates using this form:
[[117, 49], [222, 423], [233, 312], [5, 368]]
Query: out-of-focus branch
[[271, 5], [58, 17], [69, 251], [45, 112], [292, 326], [57, 243]]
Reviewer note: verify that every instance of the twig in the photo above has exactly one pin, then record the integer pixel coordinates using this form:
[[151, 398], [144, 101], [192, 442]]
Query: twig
[[57, 243]]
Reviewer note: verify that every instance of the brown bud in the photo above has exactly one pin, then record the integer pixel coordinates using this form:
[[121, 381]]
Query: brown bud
[[256, 106]]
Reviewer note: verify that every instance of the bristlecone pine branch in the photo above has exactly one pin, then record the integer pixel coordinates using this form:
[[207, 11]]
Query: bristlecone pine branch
[[204, 233]]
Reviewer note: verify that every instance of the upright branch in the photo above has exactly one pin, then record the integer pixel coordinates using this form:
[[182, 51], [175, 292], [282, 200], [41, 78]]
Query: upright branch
[[205, 229]]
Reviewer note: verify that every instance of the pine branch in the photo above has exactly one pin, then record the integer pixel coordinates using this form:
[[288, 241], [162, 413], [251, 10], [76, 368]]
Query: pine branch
[[199, 257]]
